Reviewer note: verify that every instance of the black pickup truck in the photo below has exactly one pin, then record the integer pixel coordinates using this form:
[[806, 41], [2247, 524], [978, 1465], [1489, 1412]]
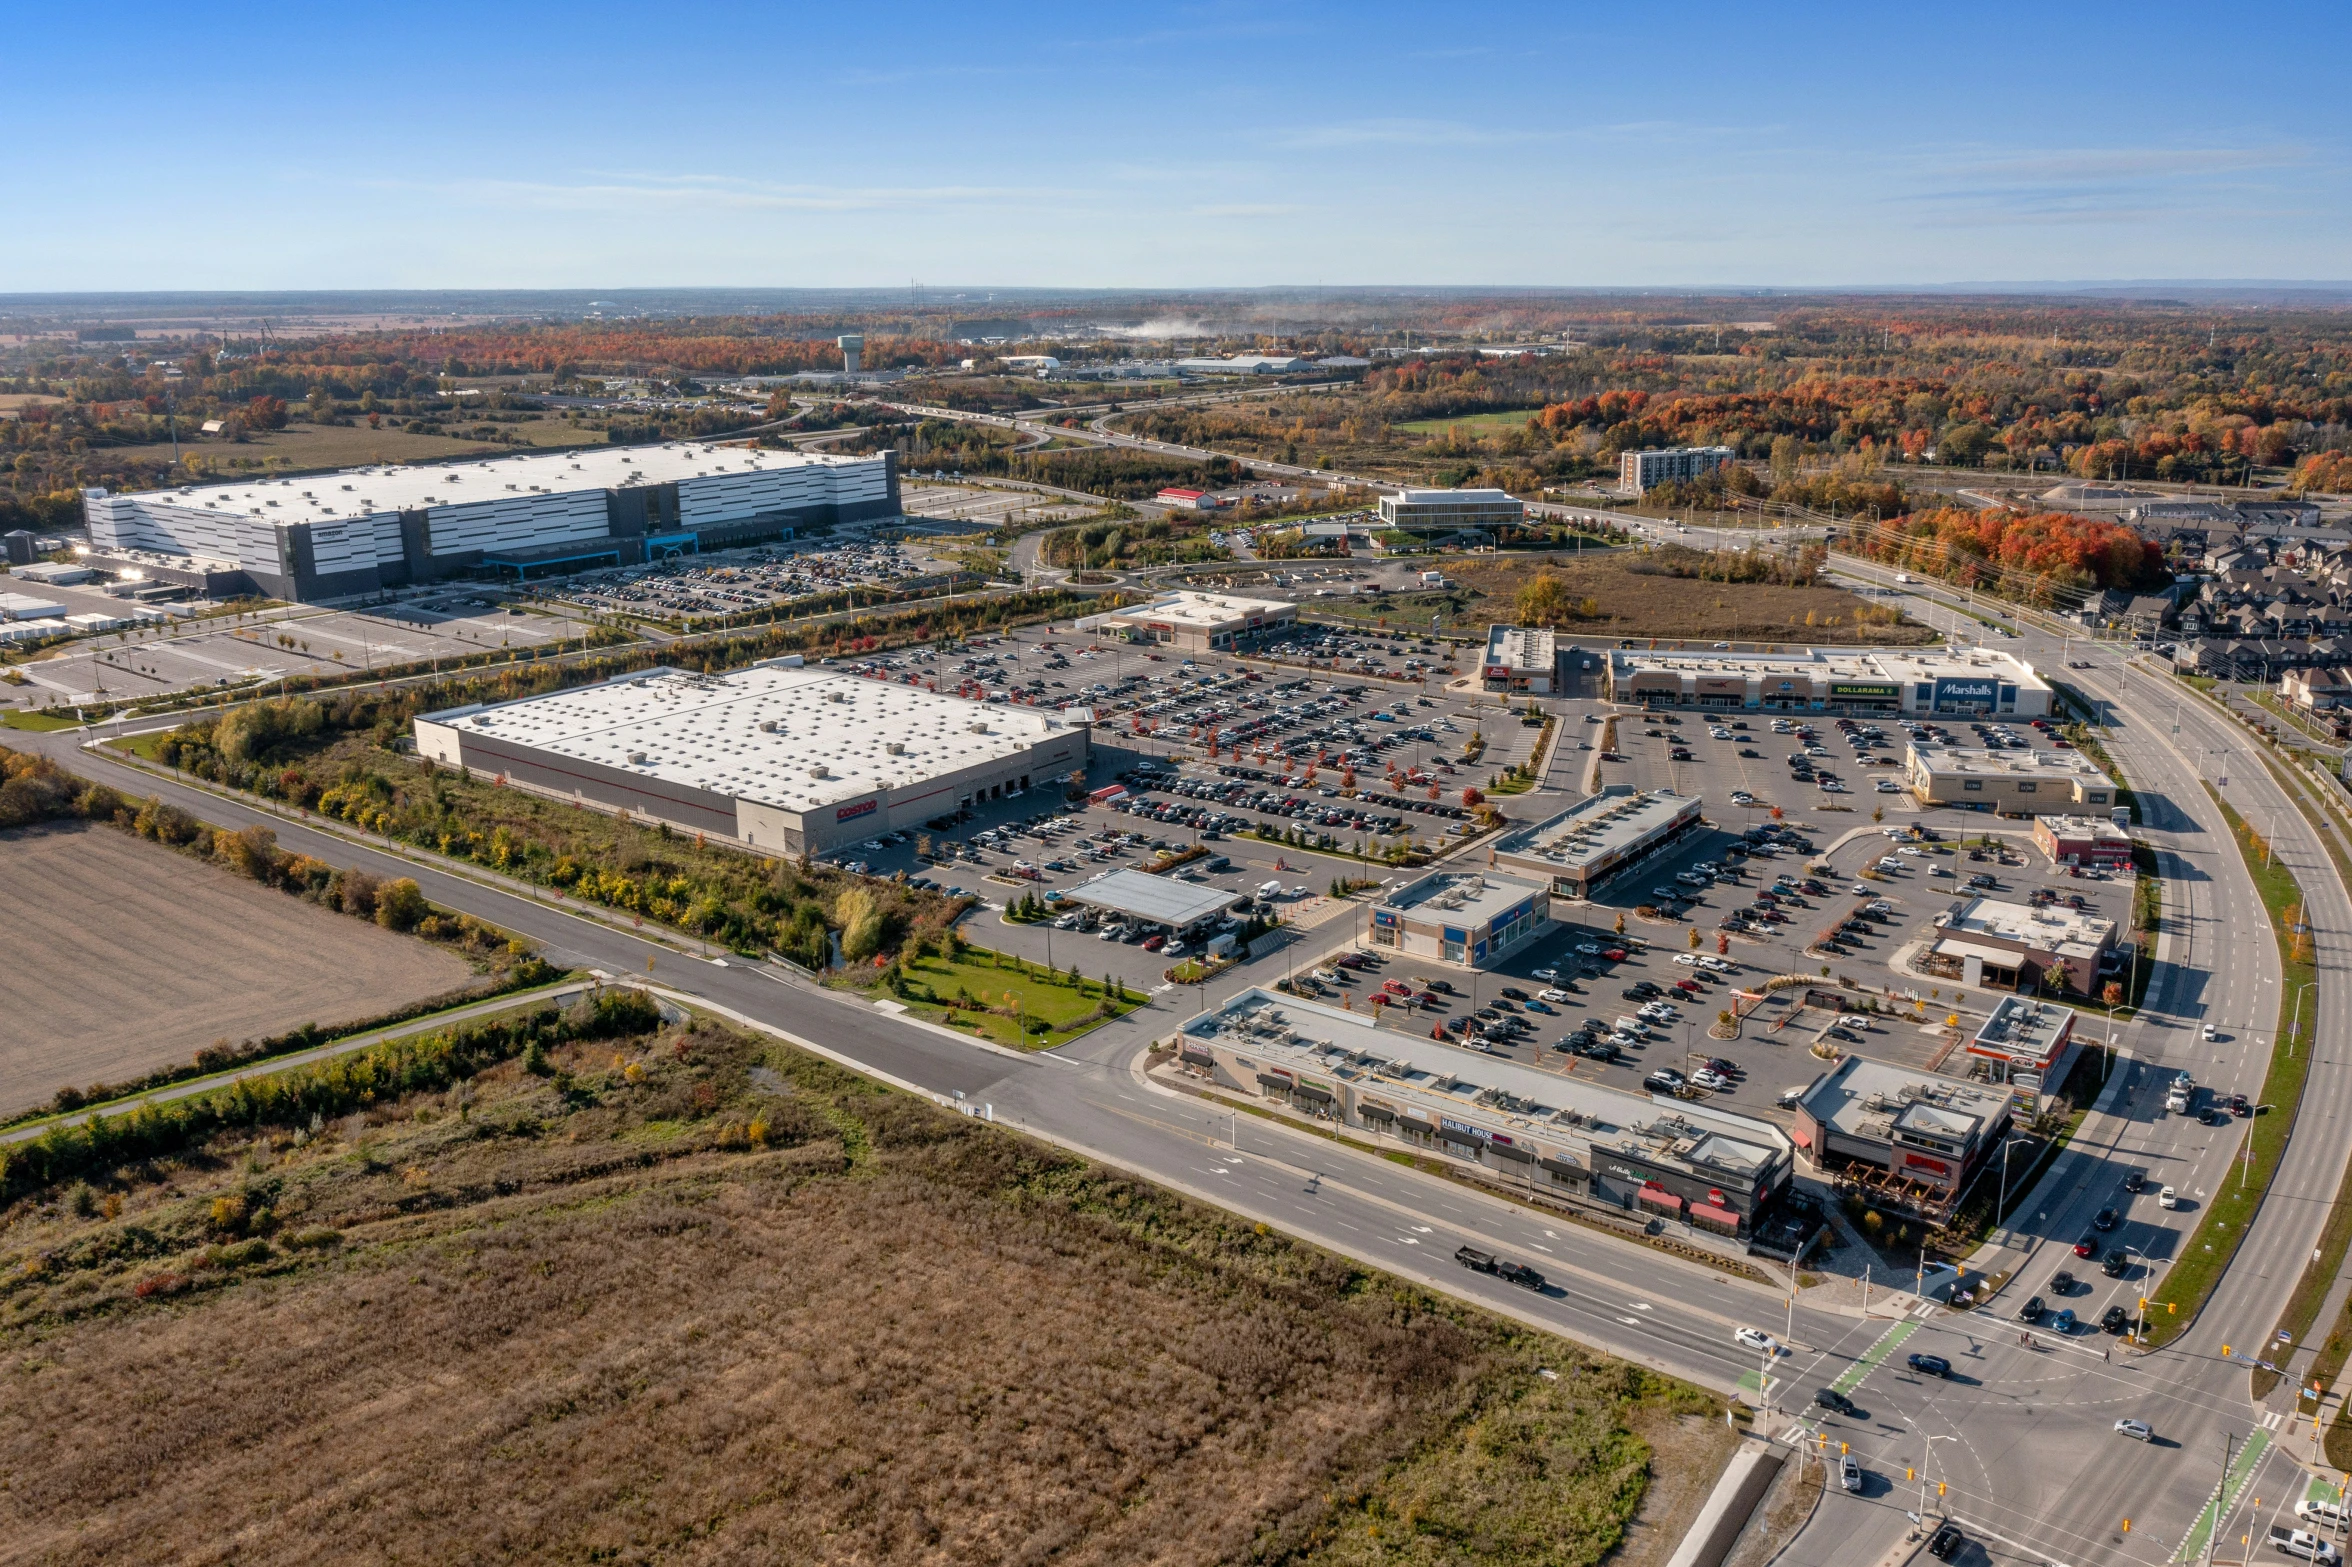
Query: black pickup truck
[[1518, 1273]]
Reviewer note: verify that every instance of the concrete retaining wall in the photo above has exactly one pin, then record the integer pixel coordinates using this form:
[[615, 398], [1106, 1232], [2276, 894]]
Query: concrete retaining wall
[[1745, 1480]]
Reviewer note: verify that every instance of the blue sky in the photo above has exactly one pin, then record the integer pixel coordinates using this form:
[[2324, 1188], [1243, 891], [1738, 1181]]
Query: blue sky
[[590, 145]]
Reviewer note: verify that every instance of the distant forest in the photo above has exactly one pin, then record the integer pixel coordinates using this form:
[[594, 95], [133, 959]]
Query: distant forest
[[1831, 403]]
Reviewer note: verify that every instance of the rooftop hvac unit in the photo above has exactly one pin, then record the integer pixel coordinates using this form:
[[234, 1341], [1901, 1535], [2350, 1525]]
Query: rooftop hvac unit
[[636, 758], [896, 748], [819, 770]]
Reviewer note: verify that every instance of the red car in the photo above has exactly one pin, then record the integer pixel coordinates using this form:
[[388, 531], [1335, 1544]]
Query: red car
[[1396, 987], [1614, 954]]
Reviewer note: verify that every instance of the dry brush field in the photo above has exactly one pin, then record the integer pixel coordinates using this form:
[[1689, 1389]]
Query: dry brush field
[[1634, 604], [124, 957], [688, 1296]]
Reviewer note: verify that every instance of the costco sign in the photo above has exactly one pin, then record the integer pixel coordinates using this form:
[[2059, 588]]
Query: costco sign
[[850, 813]]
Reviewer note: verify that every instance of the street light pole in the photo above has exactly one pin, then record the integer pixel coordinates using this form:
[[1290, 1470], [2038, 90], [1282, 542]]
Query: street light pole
[[2001, 1207]]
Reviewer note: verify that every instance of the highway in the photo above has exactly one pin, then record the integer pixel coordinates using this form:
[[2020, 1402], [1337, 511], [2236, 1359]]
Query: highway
[[2020, 1435]]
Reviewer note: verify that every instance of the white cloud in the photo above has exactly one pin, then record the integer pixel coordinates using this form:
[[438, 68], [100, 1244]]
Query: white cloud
[[720, 192]]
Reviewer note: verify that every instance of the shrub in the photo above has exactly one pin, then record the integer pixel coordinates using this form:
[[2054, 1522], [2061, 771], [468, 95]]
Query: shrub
[[401, 905]]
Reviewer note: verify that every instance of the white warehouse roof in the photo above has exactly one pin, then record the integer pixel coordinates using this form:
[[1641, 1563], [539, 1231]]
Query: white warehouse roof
[[794, 738], [358, 491]]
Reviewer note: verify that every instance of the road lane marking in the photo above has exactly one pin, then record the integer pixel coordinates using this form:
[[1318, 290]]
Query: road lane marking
[[2226, 1496]]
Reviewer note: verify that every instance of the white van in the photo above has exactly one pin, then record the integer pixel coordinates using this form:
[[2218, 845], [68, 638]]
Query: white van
[[1269, 890]]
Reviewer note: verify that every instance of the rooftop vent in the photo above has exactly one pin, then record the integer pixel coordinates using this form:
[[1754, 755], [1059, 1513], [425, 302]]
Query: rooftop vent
[[819, 770], [896, 748]]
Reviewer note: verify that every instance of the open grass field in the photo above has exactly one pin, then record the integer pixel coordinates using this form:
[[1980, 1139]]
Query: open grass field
[[124, 957], [1630, 604], [1475, 425], [304, 446], [693, 1296]]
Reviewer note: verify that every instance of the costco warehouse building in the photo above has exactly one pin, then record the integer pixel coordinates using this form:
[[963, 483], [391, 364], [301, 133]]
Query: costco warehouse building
[[781, 758]]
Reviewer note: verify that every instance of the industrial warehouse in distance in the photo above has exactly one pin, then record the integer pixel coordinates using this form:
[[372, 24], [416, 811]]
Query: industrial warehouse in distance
[[336, 535], [779, 758]]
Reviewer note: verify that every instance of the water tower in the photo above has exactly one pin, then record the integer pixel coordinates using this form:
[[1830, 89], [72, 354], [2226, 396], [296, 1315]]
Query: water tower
[[851, 346]]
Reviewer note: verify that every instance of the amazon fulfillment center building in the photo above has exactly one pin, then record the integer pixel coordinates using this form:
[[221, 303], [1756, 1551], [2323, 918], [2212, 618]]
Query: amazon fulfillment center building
[[336, 535], [781, 758]]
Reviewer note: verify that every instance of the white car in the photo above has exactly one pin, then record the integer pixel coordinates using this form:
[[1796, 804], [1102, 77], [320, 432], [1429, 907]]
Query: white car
[[1556, 997], [1714, 965], [1708, 1078], [1910, 850], [2211, 1033], [1687, 959], [1858, 890], [2137, 1430], [1756, 1339], [1546, 974], [1849, 1473], [1884, 786], [1588, 949]]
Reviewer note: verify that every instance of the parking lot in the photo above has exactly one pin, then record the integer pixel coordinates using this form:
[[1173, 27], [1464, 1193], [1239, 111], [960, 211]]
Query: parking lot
[[186, 652], [732, 582], [1810, 889], [986, 505]]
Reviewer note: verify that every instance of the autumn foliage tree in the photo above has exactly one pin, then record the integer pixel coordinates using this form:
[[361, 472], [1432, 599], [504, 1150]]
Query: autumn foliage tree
[[2025, 555]]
